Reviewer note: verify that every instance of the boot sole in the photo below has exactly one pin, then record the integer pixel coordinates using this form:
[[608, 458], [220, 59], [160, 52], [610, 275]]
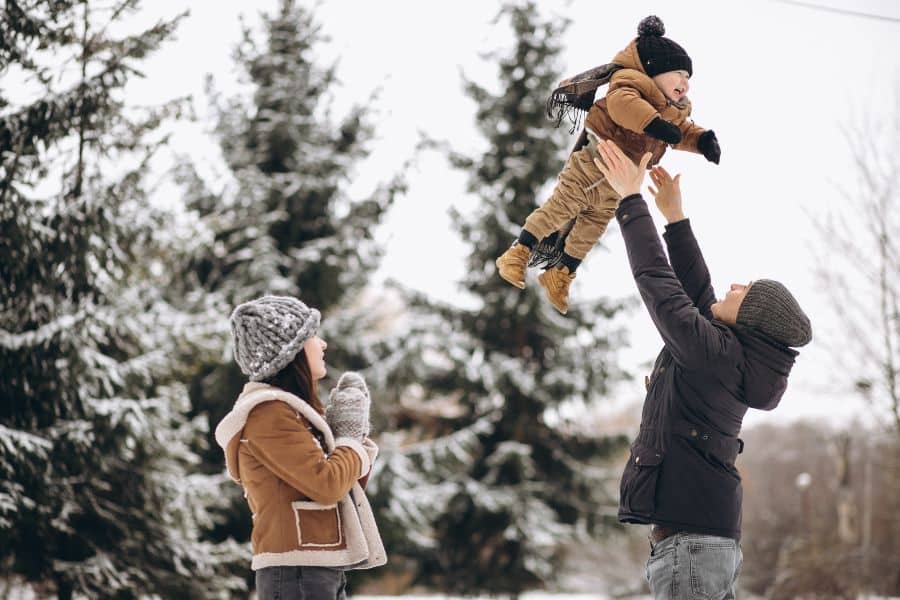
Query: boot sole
[[561, 310], [518, 284]]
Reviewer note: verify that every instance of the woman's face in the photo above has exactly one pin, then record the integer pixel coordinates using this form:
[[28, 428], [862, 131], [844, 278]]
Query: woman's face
[[314, 348]]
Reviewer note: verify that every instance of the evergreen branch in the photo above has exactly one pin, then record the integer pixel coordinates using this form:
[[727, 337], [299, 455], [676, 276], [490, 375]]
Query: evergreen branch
[[53, 117], [12, 440], [36, 337]]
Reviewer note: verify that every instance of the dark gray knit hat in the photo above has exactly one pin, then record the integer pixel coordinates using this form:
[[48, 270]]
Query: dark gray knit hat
[[268, 332], [770, 308]]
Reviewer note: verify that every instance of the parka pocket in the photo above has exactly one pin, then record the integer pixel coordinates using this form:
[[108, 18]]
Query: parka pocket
[[318, 525], [638, 488]]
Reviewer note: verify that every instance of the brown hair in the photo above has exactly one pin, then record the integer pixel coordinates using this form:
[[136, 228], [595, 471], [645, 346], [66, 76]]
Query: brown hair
[[297, 379]]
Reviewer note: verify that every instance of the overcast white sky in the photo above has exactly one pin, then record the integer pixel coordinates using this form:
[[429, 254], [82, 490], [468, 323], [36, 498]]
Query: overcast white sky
[[778, 82]]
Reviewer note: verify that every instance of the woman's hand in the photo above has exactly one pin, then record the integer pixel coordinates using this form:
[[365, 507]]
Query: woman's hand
[[348, 412], [624, 176], [667, 194]]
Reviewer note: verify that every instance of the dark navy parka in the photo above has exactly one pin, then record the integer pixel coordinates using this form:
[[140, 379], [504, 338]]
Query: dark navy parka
[[681, 471]]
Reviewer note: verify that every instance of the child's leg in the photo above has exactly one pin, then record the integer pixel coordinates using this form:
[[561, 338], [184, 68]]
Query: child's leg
[[588, 228], [566, 201], [601, 204]]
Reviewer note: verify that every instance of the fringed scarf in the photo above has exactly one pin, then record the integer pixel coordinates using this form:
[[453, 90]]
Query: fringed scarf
[[575, 97]]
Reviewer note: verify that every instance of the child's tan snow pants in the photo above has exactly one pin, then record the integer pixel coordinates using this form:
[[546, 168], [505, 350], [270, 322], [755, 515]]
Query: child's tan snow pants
[[581, 193]]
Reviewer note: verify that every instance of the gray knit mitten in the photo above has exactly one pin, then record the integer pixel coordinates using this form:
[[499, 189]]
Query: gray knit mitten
[[348, 412]]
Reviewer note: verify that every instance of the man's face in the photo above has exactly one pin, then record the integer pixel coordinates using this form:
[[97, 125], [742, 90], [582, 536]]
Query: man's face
[[726, 309]]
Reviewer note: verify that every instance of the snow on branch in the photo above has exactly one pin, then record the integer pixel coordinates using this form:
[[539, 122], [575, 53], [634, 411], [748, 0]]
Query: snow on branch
[[12, 440], [36, 337]]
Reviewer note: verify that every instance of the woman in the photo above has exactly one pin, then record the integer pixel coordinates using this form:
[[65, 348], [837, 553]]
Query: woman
[[302, 467]]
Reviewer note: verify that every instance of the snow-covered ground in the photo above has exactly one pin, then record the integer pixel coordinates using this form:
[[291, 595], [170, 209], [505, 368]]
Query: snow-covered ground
[[528, 596], [12, 591]]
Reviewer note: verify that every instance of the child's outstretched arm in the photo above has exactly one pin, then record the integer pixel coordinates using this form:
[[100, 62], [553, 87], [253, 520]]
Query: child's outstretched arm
[[702, 141], [628, 107]]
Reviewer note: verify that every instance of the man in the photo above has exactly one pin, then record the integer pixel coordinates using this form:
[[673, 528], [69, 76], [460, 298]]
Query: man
[[720, 358]]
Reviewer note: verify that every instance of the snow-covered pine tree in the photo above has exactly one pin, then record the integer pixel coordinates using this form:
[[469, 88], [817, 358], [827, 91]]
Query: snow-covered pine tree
[[97, 495], [287, 225], [485, 479]]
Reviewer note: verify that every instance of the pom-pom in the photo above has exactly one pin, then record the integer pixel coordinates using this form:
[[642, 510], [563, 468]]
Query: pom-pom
[[651, 25]]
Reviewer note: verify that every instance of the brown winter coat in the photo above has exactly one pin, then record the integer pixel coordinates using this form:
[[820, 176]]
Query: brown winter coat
[[308, 504], [630, 103]]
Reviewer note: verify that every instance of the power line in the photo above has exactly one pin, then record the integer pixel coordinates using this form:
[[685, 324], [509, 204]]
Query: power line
[[841, 11]]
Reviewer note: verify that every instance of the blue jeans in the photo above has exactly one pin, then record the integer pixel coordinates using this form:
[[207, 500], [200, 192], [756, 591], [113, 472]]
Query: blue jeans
[[301, 583], [693, 565]]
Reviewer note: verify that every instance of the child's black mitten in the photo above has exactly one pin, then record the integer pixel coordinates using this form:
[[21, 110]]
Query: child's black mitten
[[708, 145], [663, 130]]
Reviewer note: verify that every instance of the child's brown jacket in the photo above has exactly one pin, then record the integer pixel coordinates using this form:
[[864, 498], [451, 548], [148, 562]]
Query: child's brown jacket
[[632, 101]]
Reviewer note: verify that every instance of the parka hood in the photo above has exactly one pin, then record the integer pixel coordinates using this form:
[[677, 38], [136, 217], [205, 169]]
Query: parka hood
[[633, 72], [629, 58], [766, 367]]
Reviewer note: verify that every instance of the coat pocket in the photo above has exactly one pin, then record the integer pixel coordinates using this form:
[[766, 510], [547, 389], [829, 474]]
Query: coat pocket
[[638, 488], [318, 525]]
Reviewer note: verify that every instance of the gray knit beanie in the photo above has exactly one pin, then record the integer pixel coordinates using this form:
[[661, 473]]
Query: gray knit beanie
[[770, 308], [268, 332]]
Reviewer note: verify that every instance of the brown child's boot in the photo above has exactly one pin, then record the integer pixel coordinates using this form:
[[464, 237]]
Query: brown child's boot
[[512, 263], [556, 283]]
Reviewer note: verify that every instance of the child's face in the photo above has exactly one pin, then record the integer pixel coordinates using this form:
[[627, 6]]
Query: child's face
[[674, 84]]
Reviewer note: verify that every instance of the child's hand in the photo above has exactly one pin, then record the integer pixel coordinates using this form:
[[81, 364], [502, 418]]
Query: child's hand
[[623, 176], [667, 194], [708, 145], [663, 130]]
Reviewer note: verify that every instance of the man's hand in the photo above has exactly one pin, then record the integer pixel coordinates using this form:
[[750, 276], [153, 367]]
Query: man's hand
[[667, 194], [623, 176]]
